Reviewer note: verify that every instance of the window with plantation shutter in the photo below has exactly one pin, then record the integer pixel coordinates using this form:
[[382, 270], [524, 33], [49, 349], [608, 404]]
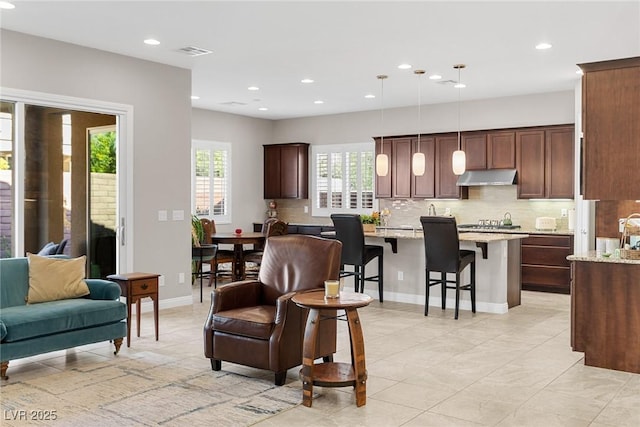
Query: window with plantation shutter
[[343, 178], [211, 180]]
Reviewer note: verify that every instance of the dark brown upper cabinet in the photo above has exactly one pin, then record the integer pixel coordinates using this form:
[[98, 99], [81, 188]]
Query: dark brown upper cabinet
[[286, 171], [446, 180], [611, 129], [474, 145], [425, 186], [545, 162], [501, 150], [383, 183]]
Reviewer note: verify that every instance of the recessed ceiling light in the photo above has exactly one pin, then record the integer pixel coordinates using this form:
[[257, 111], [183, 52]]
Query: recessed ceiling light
[[404, 66], [195, 97], [306, 81], [369, 96], [7, 5], [318, 101], [253, 88], [543, 46], [152, 42], [435, 77], [263, 109], [459, 85]]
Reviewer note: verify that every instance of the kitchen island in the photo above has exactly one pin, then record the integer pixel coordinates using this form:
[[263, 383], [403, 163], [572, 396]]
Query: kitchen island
[[605, 319], [497, 267]]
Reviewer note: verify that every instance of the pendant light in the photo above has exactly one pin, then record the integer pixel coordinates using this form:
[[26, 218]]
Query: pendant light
[[418, 160], [382, 160], [459, 159]]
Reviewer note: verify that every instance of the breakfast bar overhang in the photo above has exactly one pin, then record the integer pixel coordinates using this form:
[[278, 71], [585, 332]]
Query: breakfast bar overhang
[[497, 267]]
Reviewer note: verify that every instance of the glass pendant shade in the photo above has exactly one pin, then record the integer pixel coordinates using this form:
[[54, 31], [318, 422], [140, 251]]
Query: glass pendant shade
[[382, 164], [418, 164], [459, 162]]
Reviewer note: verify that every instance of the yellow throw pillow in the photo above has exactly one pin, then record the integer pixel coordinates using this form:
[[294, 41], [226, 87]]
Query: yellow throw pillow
[[52, 279]]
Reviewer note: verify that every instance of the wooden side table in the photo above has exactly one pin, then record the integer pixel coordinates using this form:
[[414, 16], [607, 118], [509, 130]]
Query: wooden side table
[[134, 287], [333, 374]]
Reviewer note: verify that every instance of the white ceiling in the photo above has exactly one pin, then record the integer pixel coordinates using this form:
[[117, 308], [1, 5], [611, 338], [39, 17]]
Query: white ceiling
[[343, 45]]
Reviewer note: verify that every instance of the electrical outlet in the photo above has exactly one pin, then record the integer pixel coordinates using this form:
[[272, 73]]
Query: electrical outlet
[[161, 281], [447, 211], [162, 215], [563, 213], [400, 275], [306, 209], [180, 277]]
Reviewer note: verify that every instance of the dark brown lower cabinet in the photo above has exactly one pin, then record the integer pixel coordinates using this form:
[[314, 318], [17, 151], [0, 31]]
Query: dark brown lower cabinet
[[544, 263]]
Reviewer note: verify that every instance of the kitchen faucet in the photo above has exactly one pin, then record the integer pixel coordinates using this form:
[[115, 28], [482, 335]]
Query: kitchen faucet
[[431, 210]]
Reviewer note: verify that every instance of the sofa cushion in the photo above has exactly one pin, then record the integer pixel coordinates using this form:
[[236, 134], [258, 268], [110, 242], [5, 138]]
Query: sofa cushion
[[3, 331], [254, 322], [30, 321], [52, 279]]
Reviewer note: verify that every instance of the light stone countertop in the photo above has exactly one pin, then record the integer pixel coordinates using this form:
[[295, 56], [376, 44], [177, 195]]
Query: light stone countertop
[[593, 256], [464, 237]]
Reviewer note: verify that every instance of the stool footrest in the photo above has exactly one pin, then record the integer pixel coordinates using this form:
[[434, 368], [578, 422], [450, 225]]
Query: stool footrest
[[333, 374]]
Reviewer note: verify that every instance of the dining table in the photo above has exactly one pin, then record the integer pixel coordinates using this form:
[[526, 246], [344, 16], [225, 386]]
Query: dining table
[[238, 240]]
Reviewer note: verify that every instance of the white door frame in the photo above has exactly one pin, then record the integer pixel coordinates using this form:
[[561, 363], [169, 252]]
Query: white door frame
[[124, 124]]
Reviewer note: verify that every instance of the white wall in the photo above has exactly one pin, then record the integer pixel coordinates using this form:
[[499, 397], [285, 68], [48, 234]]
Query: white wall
[[516, 111], [247, 135], [160, 96]]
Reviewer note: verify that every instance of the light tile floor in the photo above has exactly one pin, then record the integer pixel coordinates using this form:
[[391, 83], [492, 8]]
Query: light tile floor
[[515, 369]]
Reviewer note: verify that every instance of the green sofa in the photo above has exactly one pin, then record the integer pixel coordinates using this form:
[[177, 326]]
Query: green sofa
[[30, 329]]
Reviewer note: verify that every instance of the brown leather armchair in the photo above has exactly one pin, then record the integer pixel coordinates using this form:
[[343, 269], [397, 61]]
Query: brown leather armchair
[[255, 323]]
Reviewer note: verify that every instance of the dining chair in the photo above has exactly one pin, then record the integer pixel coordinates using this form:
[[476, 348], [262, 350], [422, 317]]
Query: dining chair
[[271, 227], [443, 255], [356, 253], [223, 256]]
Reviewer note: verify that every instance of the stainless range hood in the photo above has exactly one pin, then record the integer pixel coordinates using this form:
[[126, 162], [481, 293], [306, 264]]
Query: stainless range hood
[[487, 177]]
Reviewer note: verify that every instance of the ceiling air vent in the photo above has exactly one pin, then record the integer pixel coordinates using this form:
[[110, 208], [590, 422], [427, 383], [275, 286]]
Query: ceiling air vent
[[233, 103], [194, 51]]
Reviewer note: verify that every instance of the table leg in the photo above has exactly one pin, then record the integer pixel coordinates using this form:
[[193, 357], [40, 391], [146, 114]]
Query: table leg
[[357, 355], [138, 302], [308, 355], [155, 314], [129, 302], [238, 262], [200, 270]]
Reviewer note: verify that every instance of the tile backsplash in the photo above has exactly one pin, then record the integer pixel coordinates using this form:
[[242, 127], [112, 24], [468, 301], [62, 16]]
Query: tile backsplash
[[486, 202]]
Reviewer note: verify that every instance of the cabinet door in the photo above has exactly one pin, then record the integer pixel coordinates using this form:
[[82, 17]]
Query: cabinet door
[[272, 172], [425, 186], [530, 164], [475, 147], [401, 167], [294, 171], [446, 180], [611, 108], [559, 159], [501, 150], [383, 183]]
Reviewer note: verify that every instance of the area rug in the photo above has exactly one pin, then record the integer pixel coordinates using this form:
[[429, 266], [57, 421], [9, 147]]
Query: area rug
[[144, 392]]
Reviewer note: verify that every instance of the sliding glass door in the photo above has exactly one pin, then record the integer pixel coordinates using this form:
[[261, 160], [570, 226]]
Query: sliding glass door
[[59, 183]]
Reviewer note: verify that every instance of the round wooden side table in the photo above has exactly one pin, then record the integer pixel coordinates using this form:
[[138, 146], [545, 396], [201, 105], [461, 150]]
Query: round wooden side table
[[333, 374]]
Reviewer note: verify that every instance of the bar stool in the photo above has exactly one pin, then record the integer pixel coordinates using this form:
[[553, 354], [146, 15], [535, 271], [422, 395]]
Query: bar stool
[[355, 252], [443, 255]]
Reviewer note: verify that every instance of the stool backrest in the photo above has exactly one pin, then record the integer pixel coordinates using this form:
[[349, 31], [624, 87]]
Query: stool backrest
[[349, 231], [441, 243]]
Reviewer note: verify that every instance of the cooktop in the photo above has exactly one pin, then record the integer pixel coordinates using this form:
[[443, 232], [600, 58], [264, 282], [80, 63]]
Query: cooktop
[[488, 226]]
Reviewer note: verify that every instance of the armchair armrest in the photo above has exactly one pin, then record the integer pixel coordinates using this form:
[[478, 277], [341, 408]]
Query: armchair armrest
[[281, 306], [103, 289], [246, 293]]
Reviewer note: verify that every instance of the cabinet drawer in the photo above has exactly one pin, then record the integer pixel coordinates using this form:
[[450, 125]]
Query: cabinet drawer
[[548, 240], [545, 255], [542, 275], [144, 286]]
